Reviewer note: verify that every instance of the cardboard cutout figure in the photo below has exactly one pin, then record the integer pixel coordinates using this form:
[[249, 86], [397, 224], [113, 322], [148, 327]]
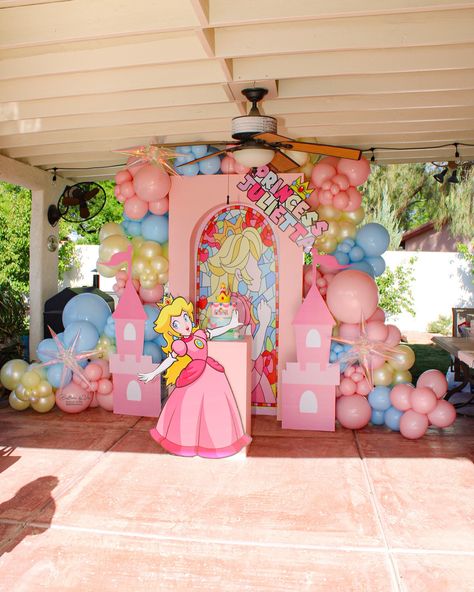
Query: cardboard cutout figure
[[200, 417]]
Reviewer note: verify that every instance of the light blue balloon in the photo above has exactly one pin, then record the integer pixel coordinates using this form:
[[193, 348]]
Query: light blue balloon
[[338, 348], [379, 398], [344, 248], [356, 254], [199, 151], [54, 373], [184, 169], [151, 349], [373, 238], [392, 418], [377, 417], [377, 264], [363, 266], [333, 357], [109, 329], [159, 340], [210, 166], [46, 350], [342, 258], [124, 225], [155, 228], [88, 335], [134, 228], [87, 307], [152, 312], [349, 241], [183, 149], [347, 347]]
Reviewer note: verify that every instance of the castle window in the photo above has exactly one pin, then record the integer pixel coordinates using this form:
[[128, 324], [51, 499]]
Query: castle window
[[308, 402], [313, 338], [129, 333], [134, 392]]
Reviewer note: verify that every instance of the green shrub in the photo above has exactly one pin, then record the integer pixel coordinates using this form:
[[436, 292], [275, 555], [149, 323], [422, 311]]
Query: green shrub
[[442, 325], [395, 295]]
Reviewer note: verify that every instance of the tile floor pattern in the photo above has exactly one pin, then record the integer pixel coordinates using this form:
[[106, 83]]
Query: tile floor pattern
[[89, 502]]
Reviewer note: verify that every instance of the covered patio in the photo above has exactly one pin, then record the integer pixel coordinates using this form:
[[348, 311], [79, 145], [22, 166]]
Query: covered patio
[[89, 502]]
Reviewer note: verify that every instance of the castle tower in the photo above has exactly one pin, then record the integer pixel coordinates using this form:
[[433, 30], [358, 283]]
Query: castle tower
[[308, 397]]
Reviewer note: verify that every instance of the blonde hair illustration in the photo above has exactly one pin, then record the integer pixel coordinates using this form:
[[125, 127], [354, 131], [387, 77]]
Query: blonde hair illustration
[[163, 326], [233, 255]]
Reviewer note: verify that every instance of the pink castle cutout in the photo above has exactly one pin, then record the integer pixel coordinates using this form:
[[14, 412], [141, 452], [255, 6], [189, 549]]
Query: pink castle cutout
[[308, 394], [131, 396]]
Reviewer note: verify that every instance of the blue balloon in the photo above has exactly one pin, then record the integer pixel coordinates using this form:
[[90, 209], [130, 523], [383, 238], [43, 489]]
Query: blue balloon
[[332, 357], [151, 349], [134, 228], [377, 417], [124, 225], [356, 254], [342, 258], [349, 241], [159, 340], [199, 151], [87, 307], [54, 374], [109, 329], [185, 169], [373, 238], [184, 150], [46, 350], [338, 348], [379, 398], [155, 228], [210, 166], [362, 266], [88, 335], [392, 418], [377, 264], [152, 312]]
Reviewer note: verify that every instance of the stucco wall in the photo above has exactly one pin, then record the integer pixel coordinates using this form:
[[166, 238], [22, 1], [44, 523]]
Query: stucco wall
[[433, 241]]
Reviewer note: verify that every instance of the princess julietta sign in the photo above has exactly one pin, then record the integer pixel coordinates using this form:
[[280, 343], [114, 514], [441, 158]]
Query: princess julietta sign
[[284, 204]]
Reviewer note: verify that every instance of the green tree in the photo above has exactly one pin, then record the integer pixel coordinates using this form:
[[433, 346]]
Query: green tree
[[395, 295]]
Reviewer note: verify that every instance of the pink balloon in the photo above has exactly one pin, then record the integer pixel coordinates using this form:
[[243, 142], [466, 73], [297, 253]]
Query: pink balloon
[[94, 402], [325, 197], [363, 387], [400, 396], [240, 169], [355, 199], [357, 171], [73, 398], [342, 181], [352, 296], [435, 380], [123, 177], [151, 183], [313, 200], [134, 168], [119, 291], [330, 160], [104, 387], [121, 275], [357, 376], [152, 295], [340, 200], [443, 415], [377, 330], [353, 412], [135, 208], [394, 336], [334, 189], [105, 367], [228, 165], [338, 392], [322, 172], [159, 207], [120, 198], [376, 361], [117, 190], [93, 371], [136, 284], [93, 386], [127, 190], [326, 185], [379, 315], [347, 387], [423, 400], [349, 331], [413, 425], [349, 371], [106, 401]]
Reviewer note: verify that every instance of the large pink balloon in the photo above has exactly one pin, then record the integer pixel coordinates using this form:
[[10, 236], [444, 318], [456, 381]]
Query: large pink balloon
[[435, 380], [228, 165], [105, 367], [357, 171], [443, 415], [135, 208], [151, 183], [151, 295], [322, 172], [352, 296], [400, 396], [73, 398], [423, 400], [353, 412], [330, 160], [413, 425], [394, 336], [159, 207]]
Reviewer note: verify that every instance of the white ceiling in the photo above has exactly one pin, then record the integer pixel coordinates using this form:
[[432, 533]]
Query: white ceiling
[[80, 78]]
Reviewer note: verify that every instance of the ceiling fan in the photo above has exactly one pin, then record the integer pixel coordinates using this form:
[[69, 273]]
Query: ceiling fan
[[256, 141]]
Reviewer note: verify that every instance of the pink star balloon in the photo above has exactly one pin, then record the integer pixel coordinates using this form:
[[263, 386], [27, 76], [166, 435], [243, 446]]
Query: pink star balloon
[[154, 154], [69, 358]]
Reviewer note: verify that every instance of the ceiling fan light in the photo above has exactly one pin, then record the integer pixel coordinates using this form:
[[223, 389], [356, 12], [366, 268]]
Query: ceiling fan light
[[254, 157]]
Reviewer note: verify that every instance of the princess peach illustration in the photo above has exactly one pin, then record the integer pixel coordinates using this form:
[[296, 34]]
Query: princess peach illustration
[[200, 417]]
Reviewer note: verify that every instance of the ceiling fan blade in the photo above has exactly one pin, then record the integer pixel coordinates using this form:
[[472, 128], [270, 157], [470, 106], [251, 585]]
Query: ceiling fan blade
[[203, 143], [90, 194], [282, 163], [205, 157], [84, 211], [338, 151], [69, 200], [327, 150]]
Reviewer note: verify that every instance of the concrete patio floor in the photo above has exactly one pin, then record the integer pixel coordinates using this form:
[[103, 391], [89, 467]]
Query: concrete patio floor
[[90, 502]]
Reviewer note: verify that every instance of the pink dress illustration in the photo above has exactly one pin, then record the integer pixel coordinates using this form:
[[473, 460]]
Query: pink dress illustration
[[201, 417]]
